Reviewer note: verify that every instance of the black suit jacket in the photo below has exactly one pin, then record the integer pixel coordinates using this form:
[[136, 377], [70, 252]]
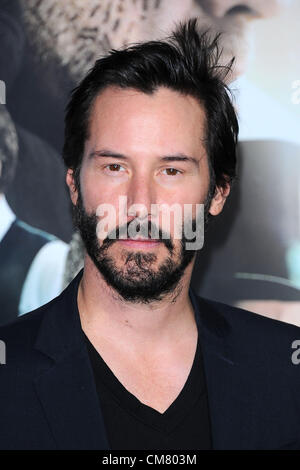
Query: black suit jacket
[[49, 398]]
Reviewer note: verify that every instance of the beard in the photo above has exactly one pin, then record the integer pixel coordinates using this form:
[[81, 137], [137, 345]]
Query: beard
[[138, 280]]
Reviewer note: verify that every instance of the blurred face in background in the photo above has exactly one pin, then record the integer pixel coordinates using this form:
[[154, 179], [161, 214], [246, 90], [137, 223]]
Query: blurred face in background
[[77, 32]]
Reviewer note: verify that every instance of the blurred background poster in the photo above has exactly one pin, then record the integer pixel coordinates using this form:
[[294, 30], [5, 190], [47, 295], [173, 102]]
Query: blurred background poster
[[251, 254]]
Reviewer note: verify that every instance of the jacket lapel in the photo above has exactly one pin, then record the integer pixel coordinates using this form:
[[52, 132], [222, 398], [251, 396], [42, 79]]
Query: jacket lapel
[[71, 404], [227, 381], [66, 389]]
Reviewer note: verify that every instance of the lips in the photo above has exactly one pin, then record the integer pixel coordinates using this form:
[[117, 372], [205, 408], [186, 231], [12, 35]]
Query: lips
[[141, 239], [140, 242]]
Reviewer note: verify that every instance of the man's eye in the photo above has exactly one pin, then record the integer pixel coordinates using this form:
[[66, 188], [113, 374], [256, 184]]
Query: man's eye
[[172, 171], [114, 167]]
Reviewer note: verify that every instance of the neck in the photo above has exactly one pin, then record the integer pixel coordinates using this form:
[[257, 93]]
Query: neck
[[104, 314]]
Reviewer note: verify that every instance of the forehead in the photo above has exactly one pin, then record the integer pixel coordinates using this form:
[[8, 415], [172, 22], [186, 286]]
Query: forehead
[[135, 118]]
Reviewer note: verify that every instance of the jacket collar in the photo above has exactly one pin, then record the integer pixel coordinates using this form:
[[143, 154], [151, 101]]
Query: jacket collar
[[68, 393], [60, 331], [63, 320], [230, 405]]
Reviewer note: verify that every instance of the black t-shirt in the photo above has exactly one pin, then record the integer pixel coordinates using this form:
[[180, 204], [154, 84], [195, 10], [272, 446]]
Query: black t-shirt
[[132, 425]]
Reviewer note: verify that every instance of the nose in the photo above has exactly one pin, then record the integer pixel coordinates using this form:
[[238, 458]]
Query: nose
[[221, 8], [140, 196]]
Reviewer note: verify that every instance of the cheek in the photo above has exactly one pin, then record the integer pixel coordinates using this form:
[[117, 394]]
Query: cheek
[[95, 193], [89, 190], [195, 192]]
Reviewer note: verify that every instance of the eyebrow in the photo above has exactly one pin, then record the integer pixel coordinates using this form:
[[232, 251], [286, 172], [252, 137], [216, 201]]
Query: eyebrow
[[178, 157]]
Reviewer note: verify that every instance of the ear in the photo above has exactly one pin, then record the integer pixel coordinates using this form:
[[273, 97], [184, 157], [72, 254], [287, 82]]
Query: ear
[[219, 199], [72, 187]]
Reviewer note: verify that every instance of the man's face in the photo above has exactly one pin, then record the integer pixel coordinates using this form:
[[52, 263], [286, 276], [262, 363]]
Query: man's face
[[150, 149], [78, 31]]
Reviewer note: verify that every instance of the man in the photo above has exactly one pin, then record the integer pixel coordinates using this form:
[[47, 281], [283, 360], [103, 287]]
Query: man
[[39, 167], [128, 357], [32, 260]]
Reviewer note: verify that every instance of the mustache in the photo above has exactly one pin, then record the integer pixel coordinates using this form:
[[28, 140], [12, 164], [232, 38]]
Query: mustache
[[149, 226]]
